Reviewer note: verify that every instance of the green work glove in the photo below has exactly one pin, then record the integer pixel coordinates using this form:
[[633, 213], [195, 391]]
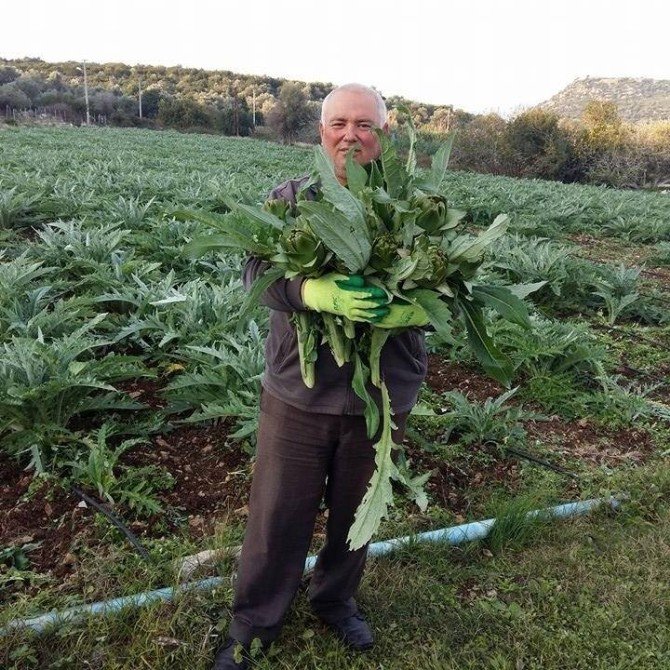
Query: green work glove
[[346, 296], [402, 315]]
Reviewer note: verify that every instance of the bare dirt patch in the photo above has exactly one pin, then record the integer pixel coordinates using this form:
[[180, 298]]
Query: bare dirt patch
[[471, 382], [590, 444]]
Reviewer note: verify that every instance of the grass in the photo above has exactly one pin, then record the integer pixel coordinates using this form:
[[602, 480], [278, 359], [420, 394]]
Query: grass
[[590, 592]]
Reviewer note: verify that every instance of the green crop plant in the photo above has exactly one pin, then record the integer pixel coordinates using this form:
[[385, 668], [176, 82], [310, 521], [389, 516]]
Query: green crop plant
[[162, 316], [39, 312], [129, 211], [661, 254], [19, 274], [627, 403], [221, 381], [475, 422], [45, 385], [532, 260], [618, 291], [551, 347], [17, 209], [98, 466]]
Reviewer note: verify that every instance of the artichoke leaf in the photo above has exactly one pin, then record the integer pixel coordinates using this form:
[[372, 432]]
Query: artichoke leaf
[[260, 285], [379, 494], [436, 309], [359, 384], [340, 197], [491, 359], [357, 177], [469, 250], [391, 166], [344, 237], [503, 301]]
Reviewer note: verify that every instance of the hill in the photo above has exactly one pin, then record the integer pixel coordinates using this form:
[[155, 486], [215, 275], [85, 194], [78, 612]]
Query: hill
[[638, 100]]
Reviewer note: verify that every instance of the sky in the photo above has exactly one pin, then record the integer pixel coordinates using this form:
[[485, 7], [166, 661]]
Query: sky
[[478, 55]]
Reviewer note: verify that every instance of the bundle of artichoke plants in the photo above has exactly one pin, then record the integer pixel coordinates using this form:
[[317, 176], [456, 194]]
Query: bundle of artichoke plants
[[390, 227]]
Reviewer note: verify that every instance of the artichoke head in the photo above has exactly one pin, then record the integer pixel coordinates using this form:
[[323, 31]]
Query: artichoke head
[[301, 252], [432, 264], [384, 253], [432, 213], [280, 208]]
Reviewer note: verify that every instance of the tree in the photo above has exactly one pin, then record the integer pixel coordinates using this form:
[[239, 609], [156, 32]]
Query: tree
[[603, 125], [8, 74], [537, 146], [182, 113], [12, 96], [479, 145], [150, 102], [291, 113]]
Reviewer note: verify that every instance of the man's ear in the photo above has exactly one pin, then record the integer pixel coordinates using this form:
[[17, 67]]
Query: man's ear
[[385, 127], [321, 131]]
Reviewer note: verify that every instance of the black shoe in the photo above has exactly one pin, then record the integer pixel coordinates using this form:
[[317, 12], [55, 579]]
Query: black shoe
[[354, 632], [225, 657]]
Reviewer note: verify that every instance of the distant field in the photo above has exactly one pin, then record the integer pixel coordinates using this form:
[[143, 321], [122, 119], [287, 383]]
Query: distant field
[[125, 371]]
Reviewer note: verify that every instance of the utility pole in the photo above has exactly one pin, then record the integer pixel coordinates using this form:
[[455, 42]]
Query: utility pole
[[139, 76], [254, 105], [88, 113]]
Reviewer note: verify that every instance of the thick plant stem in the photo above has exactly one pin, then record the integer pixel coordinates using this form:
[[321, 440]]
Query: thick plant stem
[[339, 344], [306, 347], [349, 328], [378, 338]]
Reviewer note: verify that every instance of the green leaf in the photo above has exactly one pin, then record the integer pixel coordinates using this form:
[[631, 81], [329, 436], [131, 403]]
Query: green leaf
[[410, 165], [340, 345], [260, 285], [307, 346], [503, 301], [394, 174], [235, 232], [260, 216], [465, 249], [378, 339], [339, 196], [524, 290], [437, 310], [440, 162], [359, 384], [379, 495], [342, 236], [492, 360], [357, 177]]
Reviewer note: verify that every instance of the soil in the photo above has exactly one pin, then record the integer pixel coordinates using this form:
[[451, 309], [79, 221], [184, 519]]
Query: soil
[[447, 376], [212, 476], [598, 250]]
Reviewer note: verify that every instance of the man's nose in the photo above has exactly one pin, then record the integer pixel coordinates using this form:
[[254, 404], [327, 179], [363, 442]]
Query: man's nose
[[350, 133]]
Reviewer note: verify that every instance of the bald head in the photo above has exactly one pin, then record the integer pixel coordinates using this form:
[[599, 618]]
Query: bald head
[[378, 101]]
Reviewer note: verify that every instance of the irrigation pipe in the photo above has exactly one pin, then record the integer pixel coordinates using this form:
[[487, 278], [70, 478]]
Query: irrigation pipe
[[137, 545], [453, 535]]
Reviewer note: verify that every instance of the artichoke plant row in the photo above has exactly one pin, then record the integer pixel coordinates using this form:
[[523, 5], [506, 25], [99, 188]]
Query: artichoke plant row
[[392, 226]]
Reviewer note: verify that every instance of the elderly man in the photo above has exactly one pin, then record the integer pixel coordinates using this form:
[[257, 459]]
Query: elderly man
[[313, 442]]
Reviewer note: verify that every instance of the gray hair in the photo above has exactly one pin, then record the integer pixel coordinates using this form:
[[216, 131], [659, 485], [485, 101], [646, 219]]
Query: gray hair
[[359, 88]]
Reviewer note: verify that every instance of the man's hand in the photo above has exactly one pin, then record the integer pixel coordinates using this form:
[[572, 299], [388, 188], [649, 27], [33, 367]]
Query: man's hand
[[402, 315], [346, 296]]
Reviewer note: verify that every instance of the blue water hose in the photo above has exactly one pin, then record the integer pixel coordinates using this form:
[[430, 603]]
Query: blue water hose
[[453, 535]]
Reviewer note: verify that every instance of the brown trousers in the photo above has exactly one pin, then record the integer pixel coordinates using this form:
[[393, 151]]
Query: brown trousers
[[300, 456]]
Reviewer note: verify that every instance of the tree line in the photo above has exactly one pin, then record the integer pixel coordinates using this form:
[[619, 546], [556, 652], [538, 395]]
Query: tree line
[[599, 148]]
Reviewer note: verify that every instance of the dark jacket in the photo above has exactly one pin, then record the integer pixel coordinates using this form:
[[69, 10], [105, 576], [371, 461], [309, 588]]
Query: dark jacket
[[403, 358]]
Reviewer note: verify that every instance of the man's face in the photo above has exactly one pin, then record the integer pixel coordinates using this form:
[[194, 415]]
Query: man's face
[[349, 121]]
